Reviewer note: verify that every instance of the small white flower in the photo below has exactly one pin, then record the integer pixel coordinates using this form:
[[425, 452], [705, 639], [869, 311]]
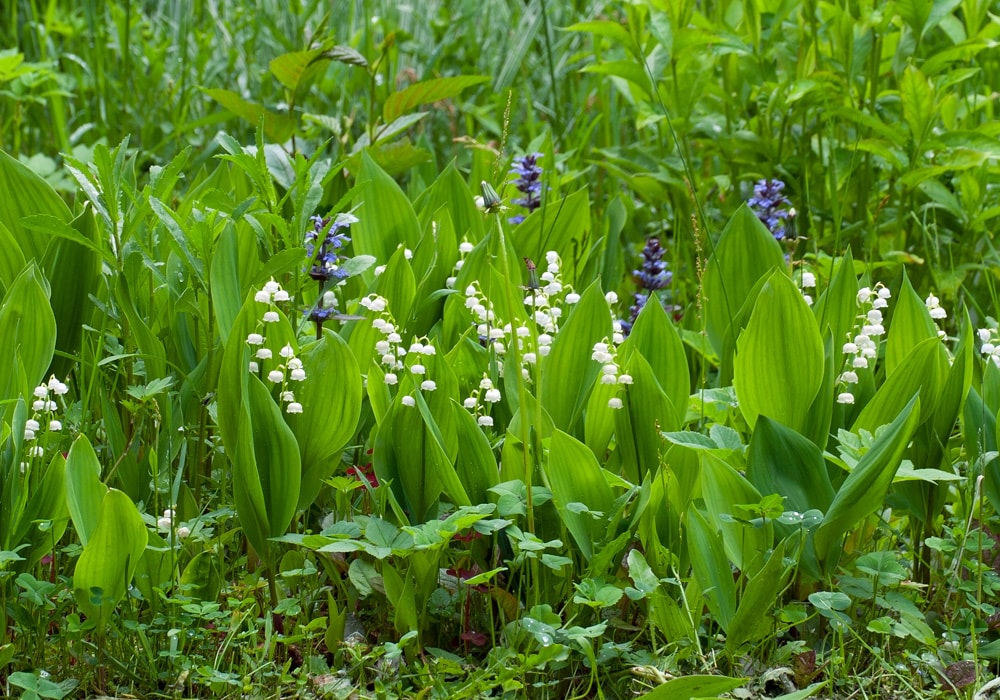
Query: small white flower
[[860, 362], [545, 350], [263, 354], [388, 359], [37, 451], [271, 286], [988, 348], [184, 531], [551, 258], [874, 317], [610, 368], [984, 334], [884, 293], [418, 369], [491, 396], [271, 317], [382, 347], [41, 391], [252, 339], [470, 403], [572, 298], [379, 269], [465, 247], [55, 426], [614, 402], [39, 405], [849, 377], [379, 324], [808, 299], [297, 375], [408, 254], [485, 421], [281, 295], [808, 280], [496, 333], [863, 294], [287, 351], [394, 338], [608, 379], [31, 424], [938, 313], [428, 350], [50, 405], [428, 385], [879, 303], [287, 396], [276, 376], [391, 379], [294, 407], [262, 297], [530, 358], [625, 379], [164, 524], [845, 397], [29, 434], [545, 339], [408, 401], [450, 282], [253, 367], [499, 348], [617, 338], [611, 298], [849, 348]]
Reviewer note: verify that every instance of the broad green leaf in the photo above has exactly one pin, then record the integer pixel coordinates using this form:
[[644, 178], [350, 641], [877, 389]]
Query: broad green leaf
[[296, 68], [277, 127], [711, 568], [837, 306], [476, 465], [386, 217], [917, 98], [568, 372], [84, 489], [398, 285], [646, 410], [202, 577], [574, 476], [864, 490], [655, 336], [768, 383], [725, 490], [25, 194], [911, 324], [451, 191], [745, 252], [28, 328], [105, 569], [755, 616], [331, 405], [11, 258], [434, 90], [782, 461], [48, 502], [923, 370], [560, 225]]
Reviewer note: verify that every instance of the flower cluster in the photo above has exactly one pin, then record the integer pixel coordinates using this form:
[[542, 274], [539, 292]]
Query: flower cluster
[[489, 395], [862, 350], [605, 354], [166, 523], [528, 183], [771, 206], [43, 416], [990, 344], [807, 281], [937, 312], [544, 300], [652, 276], [393, 352], [464, 248], [324, 243], [289, 368]]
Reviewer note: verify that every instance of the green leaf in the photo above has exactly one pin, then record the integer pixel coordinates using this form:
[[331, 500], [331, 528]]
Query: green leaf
[[331, 405], [767, 384], [782, 461], [574, 476], [911, 324], [754, 619], [917, 97], [924, 370], [277, 127], [386, 217], [84, 490], [569, 372], [864, 490], [711, 568], [725, 490], [25, 194], [427, 91], [476, 465], [296, 68], [746, 251], [657, 339], [105, 569], [28, 328], [692, 687]]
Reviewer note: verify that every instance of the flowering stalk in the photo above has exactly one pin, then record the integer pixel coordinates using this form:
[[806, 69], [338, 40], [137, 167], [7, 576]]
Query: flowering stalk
[[528, 183], [771, 206], [652, 276], [323, 245]]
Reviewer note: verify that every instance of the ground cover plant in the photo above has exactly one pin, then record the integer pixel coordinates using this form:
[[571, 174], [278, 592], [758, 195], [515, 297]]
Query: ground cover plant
[[485, 349]]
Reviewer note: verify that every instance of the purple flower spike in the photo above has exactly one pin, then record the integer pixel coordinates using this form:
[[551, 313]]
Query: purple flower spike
[[528, 183], [771, 206]]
